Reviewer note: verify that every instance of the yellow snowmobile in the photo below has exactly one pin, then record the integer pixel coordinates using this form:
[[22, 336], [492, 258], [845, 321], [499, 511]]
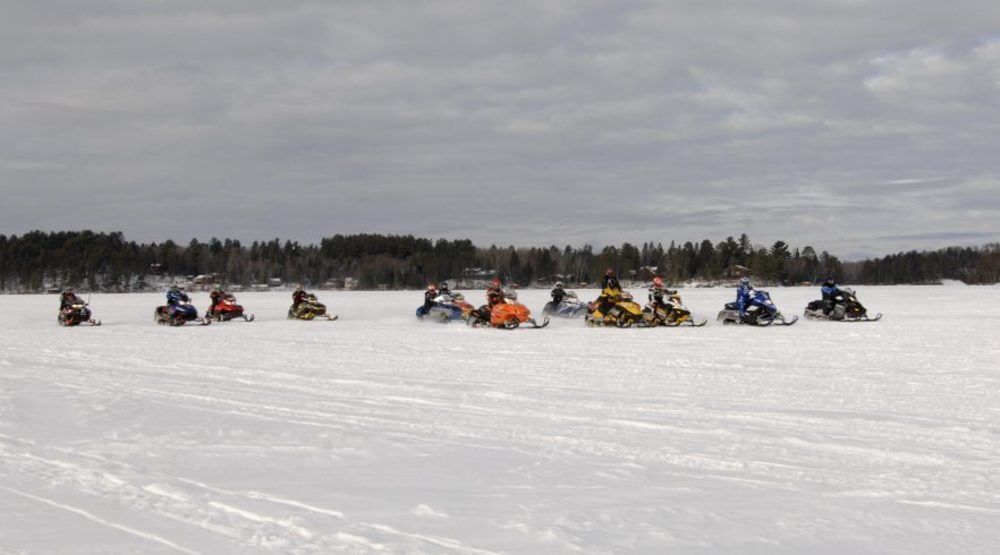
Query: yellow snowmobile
[[623, 312]]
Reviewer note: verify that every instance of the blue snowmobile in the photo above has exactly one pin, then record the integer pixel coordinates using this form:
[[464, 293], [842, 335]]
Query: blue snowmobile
[[758, 310], [178, 310]]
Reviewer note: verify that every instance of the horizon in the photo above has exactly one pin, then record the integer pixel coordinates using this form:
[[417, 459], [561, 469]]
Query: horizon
[[596, 246]]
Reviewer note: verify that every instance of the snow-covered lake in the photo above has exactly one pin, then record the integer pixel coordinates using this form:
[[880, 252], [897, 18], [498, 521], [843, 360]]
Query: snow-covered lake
[[377, 433]]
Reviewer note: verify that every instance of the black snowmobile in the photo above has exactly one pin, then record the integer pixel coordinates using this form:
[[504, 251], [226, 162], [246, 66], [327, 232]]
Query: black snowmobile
[[76, 313], [845, 308]]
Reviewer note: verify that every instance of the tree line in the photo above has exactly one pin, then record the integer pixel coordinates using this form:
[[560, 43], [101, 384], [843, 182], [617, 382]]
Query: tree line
[[40, 260]]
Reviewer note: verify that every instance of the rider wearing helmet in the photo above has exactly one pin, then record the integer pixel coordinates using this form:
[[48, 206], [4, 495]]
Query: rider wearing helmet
[[67, 299], [215, 297], [429, 295], [175, 297], [558, 294], [610, 281], [495, 294], [830, 292], [657, 291], [611, 292], [298, 296], [743, 295], [444, 289]]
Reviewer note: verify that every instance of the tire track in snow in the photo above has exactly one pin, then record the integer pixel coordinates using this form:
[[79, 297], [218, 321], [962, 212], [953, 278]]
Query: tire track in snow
[[121, 527]]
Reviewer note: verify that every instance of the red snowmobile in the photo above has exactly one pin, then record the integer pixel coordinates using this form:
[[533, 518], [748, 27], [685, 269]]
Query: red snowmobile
[[227, 309]]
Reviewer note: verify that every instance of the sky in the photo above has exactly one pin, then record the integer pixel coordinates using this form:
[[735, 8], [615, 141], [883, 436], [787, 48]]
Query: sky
[[858, 127]]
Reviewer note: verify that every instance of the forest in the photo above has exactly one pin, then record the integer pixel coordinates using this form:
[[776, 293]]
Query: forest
[[99, 261]]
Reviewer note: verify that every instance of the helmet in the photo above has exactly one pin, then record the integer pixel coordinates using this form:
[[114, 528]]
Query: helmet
[[745, 280], [432, 287], [496, 282], [217, 287], [829, 281], [559, 284], [68, 291], [175, 288], [610, 272], [444, 285], [658, 281]]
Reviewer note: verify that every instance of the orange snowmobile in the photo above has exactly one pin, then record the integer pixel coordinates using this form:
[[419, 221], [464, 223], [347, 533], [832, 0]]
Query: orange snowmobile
[[506, 315]]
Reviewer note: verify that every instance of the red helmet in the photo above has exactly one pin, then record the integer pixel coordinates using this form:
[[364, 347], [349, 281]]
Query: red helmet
[[496, 282], [432, 287], [658, 281]]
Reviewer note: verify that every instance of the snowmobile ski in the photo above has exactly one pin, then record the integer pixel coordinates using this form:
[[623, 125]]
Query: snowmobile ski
[[690, 323], [535, 325], [780, 320]]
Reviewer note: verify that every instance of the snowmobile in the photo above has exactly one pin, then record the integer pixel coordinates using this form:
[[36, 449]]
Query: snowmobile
[[624, 314], [846, 308], [310, 309], [446, 308], [227, 309], [761, 312], [670, 313], [507, 315], [178, 315], [75, 314], [570, 307]]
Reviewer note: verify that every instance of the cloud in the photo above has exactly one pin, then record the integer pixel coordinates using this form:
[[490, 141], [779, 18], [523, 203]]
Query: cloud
[[847, 125]]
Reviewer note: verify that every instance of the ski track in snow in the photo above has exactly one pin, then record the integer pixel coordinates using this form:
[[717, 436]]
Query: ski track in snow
[[377, 433]]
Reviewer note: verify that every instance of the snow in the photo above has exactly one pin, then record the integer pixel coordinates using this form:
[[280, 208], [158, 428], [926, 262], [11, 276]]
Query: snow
[[377, 433]]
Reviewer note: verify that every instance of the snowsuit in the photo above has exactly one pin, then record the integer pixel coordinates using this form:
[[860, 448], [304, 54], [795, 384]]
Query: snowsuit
[[494, 296], [611, 292], [656, 295], [215, 297], [611, 282], [297, 297], [830, 293], [67, 300], [174, 298], [558, 294], [429, 297], [744, 293]]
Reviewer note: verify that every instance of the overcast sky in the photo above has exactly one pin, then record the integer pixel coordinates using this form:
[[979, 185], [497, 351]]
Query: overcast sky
[[858, 127]]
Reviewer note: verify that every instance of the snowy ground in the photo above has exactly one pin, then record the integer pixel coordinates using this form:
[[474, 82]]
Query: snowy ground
[[379, 434]]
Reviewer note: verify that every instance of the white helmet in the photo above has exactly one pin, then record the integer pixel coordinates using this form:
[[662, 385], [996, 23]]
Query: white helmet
[[559, 284]]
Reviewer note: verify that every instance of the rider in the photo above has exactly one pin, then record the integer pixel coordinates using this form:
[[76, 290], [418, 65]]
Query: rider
[[558, 294], [68, 299], [743, 295], [215, 297], [443, 289], [830, 292], [657, 291], [175, 297], [298, 296], [611, 292], [429, 295], [495, 294]]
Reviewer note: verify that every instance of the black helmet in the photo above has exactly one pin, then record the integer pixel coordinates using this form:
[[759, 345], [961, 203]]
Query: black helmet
[[829, 281]]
